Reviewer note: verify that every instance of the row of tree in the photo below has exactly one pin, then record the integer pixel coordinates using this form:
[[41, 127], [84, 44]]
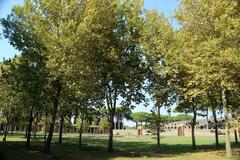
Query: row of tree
[[144, 118], [80, 56]]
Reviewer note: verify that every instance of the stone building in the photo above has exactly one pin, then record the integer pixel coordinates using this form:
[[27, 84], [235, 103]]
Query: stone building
[[200, 124]]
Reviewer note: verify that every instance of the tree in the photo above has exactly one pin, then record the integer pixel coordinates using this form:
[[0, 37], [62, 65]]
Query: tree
[[140, 117], [210, 31], [112, 52], [104, 124], [53, 24], [86, 98], [214, 102], [84, 109], [26, 69], [8, 98], [31, 76], [188, 107], [234, 110], [65, 107], [157, 37], [182, 117]]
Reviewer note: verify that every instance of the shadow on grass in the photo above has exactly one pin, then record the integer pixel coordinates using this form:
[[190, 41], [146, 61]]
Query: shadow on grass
[[94, 148]]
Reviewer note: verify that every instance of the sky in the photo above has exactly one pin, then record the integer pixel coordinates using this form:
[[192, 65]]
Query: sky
[[6, 50], [165, 6]]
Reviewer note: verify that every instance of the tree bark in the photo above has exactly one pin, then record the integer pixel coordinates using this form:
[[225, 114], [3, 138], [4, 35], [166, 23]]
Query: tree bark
[[26, 130], [45, 128], [45, 136], [234, 116], [11, 129], [236, 136], [35, 127], [54, 115], [215, 126], [80, 133], [5, 130], [75, 116], [207, 127], [193, 127], [111, 126], [158, 129], [111, 99], [61, 130], [136, 125], [29, 127], [35, 131], [1, 129], [227, 124]]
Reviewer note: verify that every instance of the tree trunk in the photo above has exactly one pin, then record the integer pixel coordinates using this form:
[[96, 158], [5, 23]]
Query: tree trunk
[[45, 129], [234, 116], [35, 130], [236, 136], [80, 134], [1, 129], [11, 129], [29, 133], [136, 125], [61, 130], [193, 128], [227, 124], [110, 140], [45, 136], [75, 116], [111, 104], [158, 130], [207, 127], [54, 115], [26, 130], [35, 127], [29, 127], [215, 126], [5, 130]]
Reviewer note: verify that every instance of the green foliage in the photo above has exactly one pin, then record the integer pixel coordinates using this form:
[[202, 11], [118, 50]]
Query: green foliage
[[10, 104], [140, 116], [104, 124], [85, 125], [181, 117]]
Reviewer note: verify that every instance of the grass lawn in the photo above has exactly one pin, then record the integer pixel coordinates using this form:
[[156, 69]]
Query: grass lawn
[[130, 147]]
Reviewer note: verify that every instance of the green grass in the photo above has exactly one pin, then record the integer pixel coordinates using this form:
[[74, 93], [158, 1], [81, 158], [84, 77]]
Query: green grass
[[130, 147]]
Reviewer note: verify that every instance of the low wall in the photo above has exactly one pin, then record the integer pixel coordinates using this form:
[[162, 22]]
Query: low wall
[[125, 132]]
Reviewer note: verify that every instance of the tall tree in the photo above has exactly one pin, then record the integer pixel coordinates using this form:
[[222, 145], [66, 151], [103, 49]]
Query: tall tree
[[8, 98], [214, 102], [210, 32], [27, 68], [157, 39], [53, 24], [111, 50]]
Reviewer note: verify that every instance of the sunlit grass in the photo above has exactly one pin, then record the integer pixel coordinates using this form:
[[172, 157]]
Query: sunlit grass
[[129, 147]]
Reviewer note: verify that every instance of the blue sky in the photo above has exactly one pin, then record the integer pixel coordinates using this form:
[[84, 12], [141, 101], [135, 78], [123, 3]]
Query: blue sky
[[6, 50]]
